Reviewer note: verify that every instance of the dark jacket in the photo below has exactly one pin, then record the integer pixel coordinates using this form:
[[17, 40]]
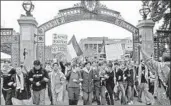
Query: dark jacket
[[38, 76], [110, 80], [87, 83], [73, 75], [26, 93], [8, 77], [129, 75], [96, 78], [119, 73]]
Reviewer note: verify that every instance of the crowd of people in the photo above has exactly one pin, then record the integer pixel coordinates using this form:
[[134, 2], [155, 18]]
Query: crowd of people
[[103, 82]]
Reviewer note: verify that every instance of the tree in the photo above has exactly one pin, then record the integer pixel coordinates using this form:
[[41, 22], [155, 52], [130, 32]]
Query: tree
[[160, 9]]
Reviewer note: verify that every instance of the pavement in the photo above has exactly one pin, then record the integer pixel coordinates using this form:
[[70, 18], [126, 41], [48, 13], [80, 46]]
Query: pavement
[[65, 102], [47, 101]]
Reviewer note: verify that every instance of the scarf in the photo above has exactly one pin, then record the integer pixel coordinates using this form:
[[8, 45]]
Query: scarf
[[20, 81]]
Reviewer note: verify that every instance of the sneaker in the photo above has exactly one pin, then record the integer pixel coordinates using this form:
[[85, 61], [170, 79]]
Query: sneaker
[[132, 102], [148, 104], [140, 101], [129, 103]]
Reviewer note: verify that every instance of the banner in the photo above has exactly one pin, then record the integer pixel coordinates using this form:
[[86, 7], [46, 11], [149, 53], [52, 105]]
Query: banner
[[59, 43], [113, 51]]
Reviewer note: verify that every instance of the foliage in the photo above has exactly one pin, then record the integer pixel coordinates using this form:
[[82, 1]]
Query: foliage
[[160, 9]]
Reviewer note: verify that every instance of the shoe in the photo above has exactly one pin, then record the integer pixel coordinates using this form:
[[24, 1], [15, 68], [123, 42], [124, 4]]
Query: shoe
[[132, 102], [148, 104], [129, 103], [140, 101]]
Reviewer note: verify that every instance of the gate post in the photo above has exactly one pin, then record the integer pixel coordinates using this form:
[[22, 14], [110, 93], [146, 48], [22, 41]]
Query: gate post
[[28, 30], [146, 32]]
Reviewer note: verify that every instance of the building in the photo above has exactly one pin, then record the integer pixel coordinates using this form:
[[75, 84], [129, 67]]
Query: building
[[127, 46], [91, 46]]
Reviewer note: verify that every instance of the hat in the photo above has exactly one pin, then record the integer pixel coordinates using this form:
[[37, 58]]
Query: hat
[[36, 62]]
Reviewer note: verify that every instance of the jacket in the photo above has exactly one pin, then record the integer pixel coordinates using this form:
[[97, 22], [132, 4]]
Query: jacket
[[87, 83], [56, 85], [73, 75], [38, 76], [96, 77], [26, 93], [8, 77]]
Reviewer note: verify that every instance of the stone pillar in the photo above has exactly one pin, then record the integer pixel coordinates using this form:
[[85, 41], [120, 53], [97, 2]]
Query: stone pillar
[[28, 30], [146, 32]]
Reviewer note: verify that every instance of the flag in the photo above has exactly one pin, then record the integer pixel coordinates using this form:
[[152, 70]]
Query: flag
[[73, 48]]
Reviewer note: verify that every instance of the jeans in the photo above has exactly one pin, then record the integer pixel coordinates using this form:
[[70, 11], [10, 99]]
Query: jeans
[[87, 98], [7, 96], [147, 95], [97, 95], [74, 93], [102, 93], [122, 90], [130, 93], [39, 97], [110, 88]]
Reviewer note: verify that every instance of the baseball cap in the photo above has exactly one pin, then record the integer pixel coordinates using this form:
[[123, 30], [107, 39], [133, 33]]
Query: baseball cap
[[36, 62]]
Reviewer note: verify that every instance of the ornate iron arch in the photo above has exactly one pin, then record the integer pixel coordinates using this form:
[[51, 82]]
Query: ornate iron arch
[[80, 12], [86, 10]]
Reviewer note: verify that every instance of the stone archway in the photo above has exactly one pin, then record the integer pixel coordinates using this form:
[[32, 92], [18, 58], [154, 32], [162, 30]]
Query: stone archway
[[86, 10]]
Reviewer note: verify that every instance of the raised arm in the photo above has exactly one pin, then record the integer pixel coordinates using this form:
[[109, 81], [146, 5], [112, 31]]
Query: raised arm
[[161, 69], [151, 64]]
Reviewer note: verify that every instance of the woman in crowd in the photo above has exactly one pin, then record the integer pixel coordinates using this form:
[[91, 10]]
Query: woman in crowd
[[57, 79], [73, 86], [22, 87]]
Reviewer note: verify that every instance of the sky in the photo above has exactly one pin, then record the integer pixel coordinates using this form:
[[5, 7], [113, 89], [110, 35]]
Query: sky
[[47, 10]]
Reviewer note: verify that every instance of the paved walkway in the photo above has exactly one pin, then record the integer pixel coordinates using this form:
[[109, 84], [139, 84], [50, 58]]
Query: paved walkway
[[47, 101]]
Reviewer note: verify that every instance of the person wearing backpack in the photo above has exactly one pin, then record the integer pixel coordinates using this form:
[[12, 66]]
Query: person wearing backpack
[[38, 77], [73, 87]]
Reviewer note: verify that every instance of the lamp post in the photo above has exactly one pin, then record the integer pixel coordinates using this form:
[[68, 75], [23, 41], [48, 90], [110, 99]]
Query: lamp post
[[25, 53], [145, 10], [28, 7]]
